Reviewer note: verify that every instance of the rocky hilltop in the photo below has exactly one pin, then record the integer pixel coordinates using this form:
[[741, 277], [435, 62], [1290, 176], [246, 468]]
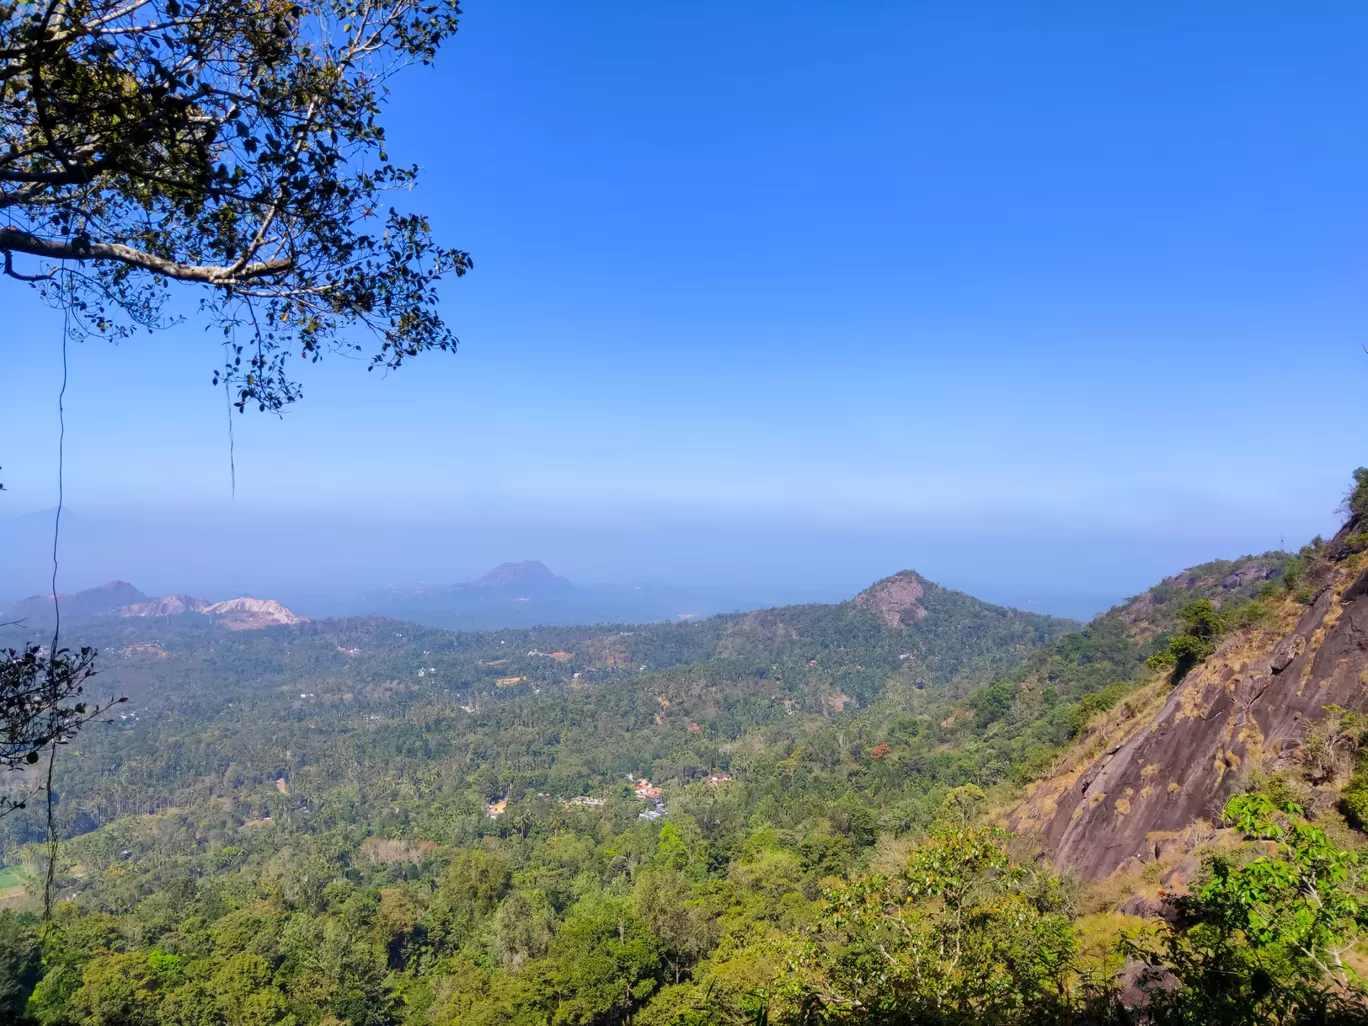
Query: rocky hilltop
[[167, 605], [895, 600], [118, 599], [243, 613], [246, 613], [237, 614], [531, 574], [1153, 777], [93, 603], [1152, 612]]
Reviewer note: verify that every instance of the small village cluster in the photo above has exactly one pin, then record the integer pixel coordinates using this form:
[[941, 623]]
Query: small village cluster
[[498, 808], [648, 792], [642, 787]]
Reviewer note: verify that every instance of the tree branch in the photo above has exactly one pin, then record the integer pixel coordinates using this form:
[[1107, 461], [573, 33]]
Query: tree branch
[[11, 272], [13, 240]]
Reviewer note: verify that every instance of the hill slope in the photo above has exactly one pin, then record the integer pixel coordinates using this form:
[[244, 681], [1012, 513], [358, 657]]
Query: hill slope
[[206, 696], [36, 611], [462, 816], [1137, 780]]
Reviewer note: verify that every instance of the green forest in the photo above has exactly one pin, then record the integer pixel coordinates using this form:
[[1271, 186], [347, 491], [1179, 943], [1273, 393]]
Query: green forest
[[766, 290], [368, 822]]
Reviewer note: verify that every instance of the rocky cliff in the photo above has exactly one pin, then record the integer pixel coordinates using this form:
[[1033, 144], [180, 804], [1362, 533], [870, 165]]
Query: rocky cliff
[[1167, 761], [167, 605], [235, 614], [246, 613], [895, 599]]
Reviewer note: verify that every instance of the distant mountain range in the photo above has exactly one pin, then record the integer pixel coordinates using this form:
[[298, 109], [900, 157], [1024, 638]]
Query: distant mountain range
[[511, 595], [529, 594], [525, 594], [120, 599], [38, 611], [529, 575]]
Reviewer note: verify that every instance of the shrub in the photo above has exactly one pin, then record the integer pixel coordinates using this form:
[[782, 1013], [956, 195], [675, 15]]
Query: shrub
[[1188, 651], [1252, 616], [1200, 620], [1356, 502], [1293, 573], [1276, 787], [1353, 804], [1261, 940], [1201, 626], [1161, 660]]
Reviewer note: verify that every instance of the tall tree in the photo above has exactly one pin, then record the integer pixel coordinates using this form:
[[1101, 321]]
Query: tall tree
[[230, 145], [234, 146]]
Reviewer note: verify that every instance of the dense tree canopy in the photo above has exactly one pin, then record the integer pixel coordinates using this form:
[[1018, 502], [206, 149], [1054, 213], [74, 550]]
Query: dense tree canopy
[[381, 824]]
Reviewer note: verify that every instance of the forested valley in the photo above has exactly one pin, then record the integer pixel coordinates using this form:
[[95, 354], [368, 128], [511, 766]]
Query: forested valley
[[781, 816], [880, 272]]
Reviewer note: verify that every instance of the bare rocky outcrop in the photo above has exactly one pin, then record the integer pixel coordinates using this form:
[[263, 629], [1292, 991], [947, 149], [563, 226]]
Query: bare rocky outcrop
[[1172, 767], [167, 605], [895, 600], [245, 613], [1151, 612]]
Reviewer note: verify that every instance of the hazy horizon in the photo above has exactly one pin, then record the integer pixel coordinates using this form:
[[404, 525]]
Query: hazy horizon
[[1037, 305], [329, 562]]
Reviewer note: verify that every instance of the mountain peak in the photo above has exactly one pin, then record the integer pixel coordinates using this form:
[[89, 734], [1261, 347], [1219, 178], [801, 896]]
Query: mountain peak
[[167, 605], [105, 600], [895, 599], [529, 573], [240, 613], [245, 613]]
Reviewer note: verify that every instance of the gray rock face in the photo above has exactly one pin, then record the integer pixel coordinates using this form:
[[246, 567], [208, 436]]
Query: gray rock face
[[1285, 651], [1250, 700], [167, 605], [1248, 575], [235, 614], [895, 599]]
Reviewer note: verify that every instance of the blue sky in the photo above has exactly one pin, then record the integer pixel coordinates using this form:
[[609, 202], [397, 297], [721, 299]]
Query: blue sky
[[860, 280]]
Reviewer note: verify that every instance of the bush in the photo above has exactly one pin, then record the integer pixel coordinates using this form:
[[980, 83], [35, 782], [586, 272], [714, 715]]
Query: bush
[[1252, 616], [1161, 660], [1200, 620], [1260, 941], [1278, 788], [1188, 650], [1293, 573], [1356, 502], [1353, 804], [1202, 625]]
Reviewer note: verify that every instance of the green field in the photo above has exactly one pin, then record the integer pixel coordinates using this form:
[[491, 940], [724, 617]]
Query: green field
[[11, 876]]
